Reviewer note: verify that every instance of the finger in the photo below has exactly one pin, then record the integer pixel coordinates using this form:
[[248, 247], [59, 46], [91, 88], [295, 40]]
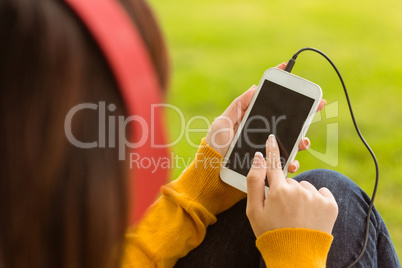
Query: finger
[[322, 104], [293, 166], [308, 186], [274, 168], [282, 66], [238, 107], [326, 193], [256, 182], [304, 144], [292, 182]]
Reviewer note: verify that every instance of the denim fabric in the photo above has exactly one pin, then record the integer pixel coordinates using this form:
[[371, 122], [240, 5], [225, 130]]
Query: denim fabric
[[350, 225], [231, 243]]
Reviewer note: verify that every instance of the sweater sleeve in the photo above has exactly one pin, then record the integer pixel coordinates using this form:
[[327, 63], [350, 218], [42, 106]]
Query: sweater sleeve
[[176, 223], [294, 247]]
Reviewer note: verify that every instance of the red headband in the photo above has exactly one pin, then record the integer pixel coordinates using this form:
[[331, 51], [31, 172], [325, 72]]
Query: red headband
[[129, 61]]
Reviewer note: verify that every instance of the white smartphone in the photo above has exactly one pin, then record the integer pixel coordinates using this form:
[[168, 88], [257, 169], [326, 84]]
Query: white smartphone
[[284, 105]]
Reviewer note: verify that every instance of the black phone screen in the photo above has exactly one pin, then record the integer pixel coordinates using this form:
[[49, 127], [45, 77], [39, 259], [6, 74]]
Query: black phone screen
[[277, 110]]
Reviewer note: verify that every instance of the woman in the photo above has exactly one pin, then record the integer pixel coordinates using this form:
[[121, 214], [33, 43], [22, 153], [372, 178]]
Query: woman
[[63, 206]]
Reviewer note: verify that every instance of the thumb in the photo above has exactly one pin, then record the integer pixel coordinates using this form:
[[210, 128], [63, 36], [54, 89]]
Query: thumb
[[238, 107], [256, 183]]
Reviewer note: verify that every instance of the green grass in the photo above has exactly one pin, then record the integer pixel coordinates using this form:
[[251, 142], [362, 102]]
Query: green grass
[[220, 48]]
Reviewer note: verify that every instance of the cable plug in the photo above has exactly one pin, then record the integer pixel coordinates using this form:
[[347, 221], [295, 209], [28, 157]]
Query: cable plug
[[290, 64]]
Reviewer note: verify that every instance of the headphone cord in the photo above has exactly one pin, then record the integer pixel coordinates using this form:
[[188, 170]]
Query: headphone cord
[[289, 68]]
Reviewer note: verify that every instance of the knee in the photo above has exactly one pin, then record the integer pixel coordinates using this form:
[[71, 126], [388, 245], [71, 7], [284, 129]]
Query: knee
[[336, 182]]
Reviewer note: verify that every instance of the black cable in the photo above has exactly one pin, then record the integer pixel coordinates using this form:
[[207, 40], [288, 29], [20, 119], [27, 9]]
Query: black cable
[[289, 68]]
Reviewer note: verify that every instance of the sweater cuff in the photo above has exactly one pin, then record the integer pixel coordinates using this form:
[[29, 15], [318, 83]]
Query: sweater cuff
[[289, 246], [201, 183]]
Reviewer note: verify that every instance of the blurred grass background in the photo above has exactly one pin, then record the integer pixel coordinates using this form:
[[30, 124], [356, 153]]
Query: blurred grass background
[[220, 48]]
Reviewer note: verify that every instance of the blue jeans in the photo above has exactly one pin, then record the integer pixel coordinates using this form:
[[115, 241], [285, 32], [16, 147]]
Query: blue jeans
[[231, 243]]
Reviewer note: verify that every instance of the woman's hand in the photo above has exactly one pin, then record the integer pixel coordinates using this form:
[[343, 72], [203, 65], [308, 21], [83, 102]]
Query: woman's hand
[[288, 204], [224, 128]]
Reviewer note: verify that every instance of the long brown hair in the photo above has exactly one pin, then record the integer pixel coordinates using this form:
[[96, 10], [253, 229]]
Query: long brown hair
[[60, 206]]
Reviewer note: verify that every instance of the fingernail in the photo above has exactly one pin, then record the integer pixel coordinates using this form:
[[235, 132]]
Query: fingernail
[[296, 164], [306, 142], [253, 86], [259, 154], [258, 160], [272, 140]]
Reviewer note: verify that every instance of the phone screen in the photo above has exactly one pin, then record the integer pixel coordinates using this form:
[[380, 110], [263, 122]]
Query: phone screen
[[277, 110]]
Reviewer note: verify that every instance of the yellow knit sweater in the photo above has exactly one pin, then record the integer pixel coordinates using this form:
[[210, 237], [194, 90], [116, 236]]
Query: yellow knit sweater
[[177, 223]]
